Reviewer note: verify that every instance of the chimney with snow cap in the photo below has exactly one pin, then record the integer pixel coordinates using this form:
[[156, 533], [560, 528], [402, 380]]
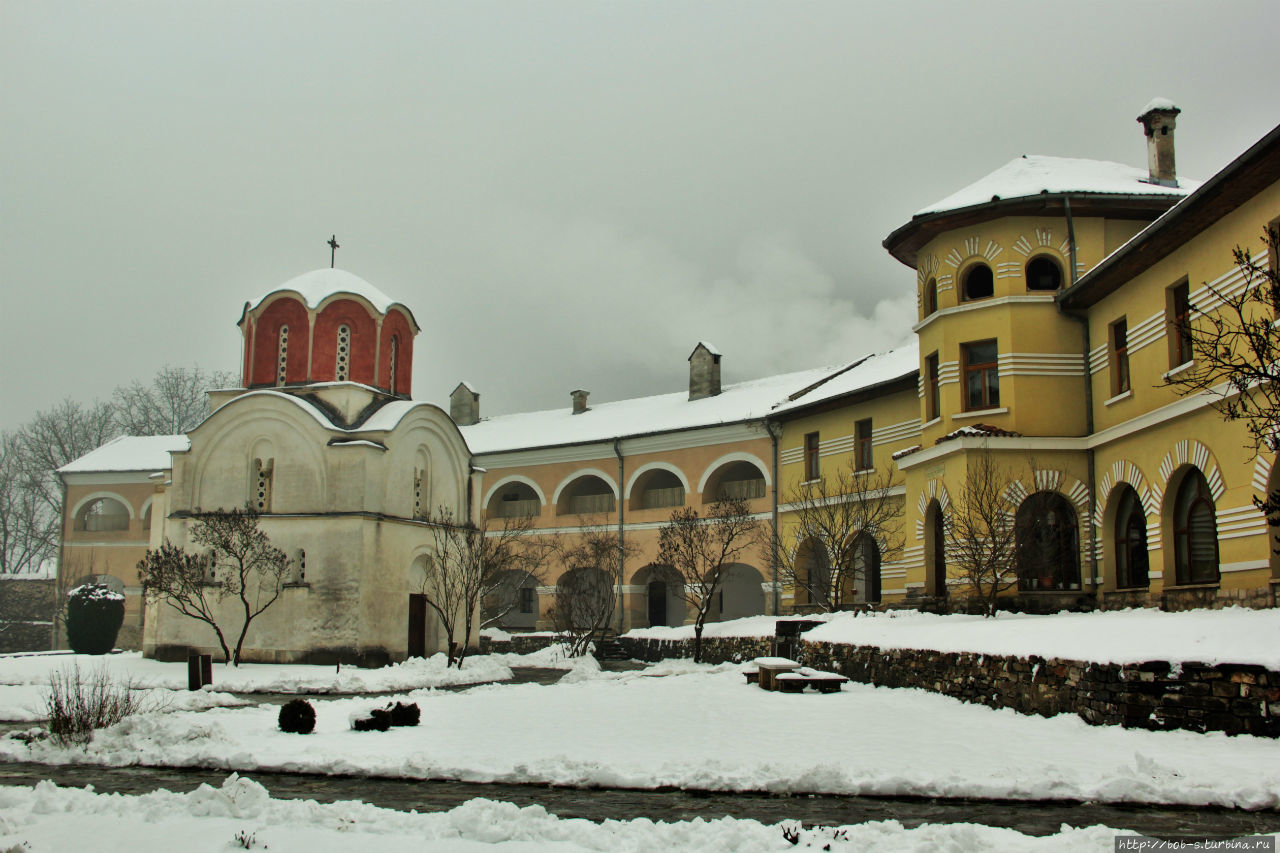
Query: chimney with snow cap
[[704, 371], [579, 401], [464, 405], [1158, 119]]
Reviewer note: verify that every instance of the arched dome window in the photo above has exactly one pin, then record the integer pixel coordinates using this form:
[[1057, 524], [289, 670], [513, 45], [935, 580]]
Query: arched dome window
[[282, 355], [342, 370], [979, 283], [1043, 273], [1132, 562], [1048, 544], [102, 515]]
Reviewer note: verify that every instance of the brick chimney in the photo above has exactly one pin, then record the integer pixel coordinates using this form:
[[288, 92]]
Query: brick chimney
[[464, 405], [704, 371], [1158, 119], [579, 401]]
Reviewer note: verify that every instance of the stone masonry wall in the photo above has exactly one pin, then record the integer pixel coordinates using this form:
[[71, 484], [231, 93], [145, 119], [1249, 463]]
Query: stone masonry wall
[[26, 611], [1231, 698]]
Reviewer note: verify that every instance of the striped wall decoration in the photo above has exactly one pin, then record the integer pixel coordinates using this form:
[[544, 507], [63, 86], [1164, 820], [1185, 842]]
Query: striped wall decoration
[[1122, 471], [1191, 452], [1040, 364]]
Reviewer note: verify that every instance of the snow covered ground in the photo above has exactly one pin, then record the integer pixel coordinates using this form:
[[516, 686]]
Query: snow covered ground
[[47, 819], [1232, 635], [696, 726]]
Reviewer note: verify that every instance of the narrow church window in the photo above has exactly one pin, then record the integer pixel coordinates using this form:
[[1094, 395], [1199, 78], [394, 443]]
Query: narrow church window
[[419, 487], [395, 357], [283, 357], [262, 491], [343, 371]]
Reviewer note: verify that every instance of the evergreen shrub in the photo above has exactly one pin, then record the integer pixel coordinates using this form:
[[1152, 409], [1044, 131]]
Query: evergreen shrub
[[94, 616], [297, 717], [404, 713], [377, 720]]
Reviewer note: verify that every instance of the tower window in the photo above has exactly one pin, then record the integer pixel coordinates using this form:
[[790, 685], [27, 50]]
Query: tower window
[[419, 492], [981, 376], [395, 357], [979, 282], [930, 297], [932, 394], [1043, 274], [343, 369], [282, 358]]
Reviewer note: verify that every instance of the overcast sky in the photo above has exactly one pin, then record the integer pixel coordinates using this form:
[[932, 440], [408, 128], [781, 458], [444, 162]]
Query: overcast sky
[[566, 194]]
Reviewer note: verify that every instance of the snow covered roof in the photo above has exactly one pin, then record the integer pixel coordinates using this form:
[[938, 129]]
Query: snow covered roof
[[1031, 175], [708, 346], [741, 401], [318, 285], [129, 453]]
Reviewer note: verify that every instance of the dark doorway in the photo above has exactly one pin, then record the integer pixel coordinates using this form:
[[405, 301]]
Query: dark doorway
[[657, 603], [938, 571], [417, 625]]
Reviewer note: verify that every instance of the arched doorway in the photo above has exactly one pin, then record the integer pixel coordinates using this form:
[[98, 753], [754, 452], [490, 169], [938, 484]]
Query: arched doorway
[[664, 605], [812, 576], [935, 551], [741, 593], [866, 569], [1195, 530], [1048, 543], [1129, 540]]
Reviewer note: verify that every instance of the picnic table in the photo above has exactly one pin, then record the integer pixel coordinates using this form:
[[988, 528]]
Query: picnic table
[[797, 680], [768, 669]]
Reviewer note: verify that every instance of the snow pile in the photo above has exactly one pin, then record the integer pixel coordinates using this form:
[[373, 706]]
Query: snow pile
[[50, 818], [95, 592], [1231, 635], [706, 728]]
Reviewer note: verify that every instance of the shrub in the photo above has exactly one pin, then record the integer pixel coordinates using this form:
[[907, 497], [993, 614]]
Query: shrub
[[94, 616], [77, 706], [377, 720], [297, 717], [404, 714]]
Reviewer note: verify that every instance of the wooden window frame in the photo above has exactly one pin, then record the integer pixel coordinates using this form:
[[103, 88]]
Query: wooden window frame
[[864, 454], [812, 463], [1118, 337], [984, 369], [932, 388], [1178, 317]]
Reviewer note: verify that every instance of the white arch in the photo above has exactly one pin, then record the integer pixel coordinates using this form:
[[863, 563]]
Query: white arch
[[579, 474], [1124, 472], [514, 478], [650, 466], [93, 496], [1191, 452], [738, 456]]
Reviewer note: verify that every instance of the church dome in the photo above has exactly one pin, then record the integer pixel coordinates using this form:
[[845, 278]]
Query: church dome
[[328, 325]]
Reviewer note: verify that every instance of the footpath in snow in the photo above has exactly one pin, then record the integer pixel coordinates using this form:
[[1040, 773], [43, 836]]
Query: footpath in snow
[[701, 727], [1231, 635], [241, 814]]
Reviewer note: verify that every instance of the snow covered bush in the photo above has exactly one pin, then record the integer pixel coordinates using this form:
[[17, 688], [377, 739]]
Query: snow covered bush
[[377, 720], [94, 616], [297, 717], [77, 705], [405, 713]]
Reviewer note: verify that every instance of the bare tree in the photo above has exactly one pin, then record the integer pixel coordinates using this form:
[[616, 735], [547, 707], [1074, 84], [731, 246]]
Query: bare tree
[[239, 563], [1235, 353], [515, 559], [470, 562], [700, 550], [173, 402], [28, 539], [587, 592], [826, 551], [981, 533]]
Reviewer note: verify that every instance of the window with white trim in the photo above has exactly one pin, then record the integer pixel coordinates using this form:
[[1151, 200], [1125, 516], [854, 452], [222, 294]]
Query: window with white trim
[[263, 470], [282, 355], [342, 371]]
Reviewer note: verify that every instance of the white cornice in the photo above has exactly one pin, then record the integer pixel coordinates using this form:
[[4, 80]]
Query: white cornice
[[97, 478], [979, 304]]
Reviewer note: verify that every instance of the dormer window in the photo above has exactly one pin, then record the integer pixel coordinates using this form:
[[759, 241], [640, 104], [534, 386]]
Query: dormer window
[[979, 283], [1043, 273], [343, 368]]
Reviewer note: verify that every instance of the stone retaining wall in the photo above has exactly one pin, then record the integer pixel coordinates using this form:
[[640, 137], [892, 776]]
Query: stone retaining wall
[[26, 610], [1232, 698], [519, 644]]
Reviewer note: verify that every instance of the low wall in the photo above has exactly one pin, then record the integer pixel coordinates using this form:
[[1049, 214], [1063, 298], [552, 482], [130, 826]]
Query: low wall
[[519, 644], [1231, 698], [26, 611]]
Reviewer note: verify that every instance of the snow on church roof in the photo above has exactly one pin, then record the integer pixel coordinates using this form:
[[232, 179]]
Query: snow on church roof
[[318, 285], [1031, 175], [130, 453], [741, 401]]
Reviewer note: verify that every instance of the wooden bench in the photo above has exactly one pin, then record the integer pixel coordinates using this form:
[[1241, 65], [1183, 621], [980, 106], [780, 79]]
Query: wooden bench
[[797, 681], [753, 676]]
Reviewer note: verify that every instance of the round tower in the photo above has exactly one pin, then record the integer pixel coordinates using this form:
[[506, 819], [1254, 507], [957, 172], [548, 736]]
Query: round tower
[[328, 326]]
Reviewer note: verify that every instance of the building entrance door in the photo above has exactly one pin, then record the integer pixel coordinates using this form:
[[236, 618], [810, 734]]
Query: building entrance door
[[417, 625], [657, 603]]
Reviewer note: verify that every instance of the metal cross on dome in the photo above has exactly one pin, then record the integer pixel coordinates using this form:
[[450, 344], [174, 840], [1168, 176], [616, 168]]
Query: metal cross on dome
[[333, 249]]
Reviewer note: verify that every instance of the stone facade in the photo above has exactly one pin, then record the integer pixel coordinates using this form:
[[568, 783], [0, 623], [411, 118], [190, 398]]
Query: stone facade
[[26, 615]]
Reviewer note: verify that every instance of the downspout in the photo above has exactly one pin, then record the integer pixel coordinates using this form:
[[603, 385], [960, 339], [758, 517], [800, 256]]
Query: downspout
[[774, 434], [1091, 476], [617, 451]]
